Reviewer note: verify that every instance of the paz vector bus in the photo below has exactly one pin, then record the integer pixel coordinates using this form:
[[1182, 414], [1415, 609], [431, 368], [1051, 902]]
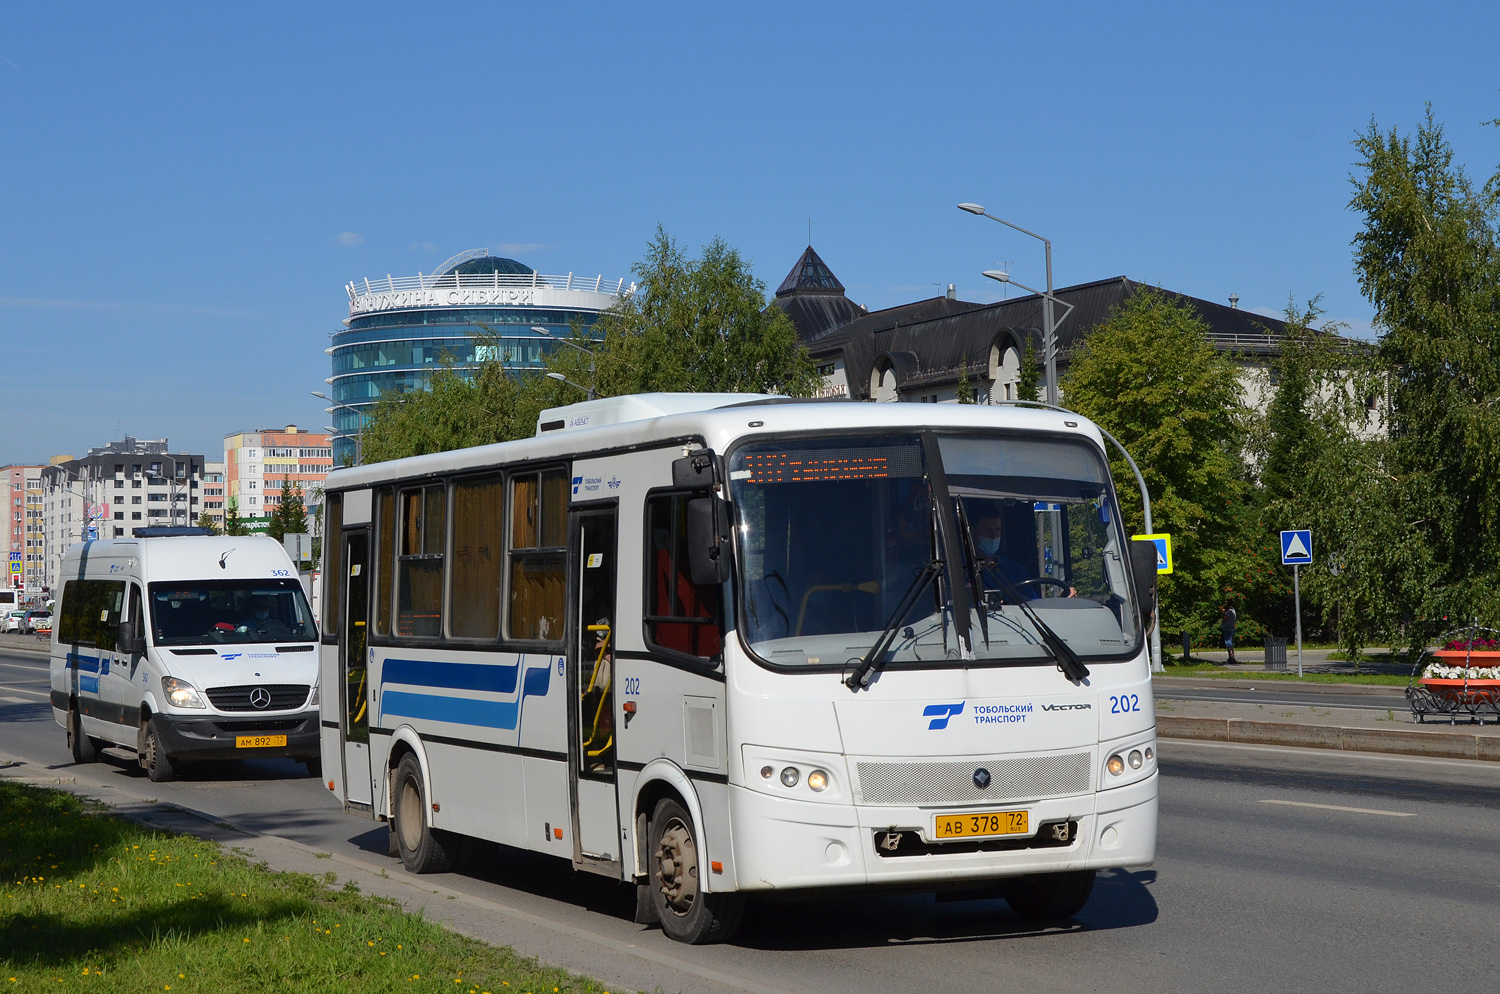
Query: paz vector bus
[[721, 644]]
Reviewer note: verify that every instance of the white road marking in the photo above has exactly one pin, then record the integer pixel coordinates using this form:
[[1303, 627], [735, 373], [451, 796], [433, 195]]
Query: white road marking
[[15, 700], [23, 690], [1340, 807]]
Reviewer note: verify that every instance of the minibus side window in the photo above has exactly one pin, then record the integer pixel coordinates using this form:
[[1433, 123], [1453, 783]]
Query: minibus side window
[[91, 612]]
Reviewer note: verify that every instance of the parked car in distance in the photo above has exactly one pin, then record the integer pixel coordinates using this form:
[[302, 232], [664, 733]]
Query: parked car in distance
[[35, 620], [11, 621]]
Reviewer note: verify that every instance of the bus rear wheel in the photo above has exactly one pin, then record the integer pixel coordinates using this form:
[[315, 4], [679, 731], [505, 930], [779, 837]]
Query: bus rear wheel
[[421, 847], [85, 748], [687, 913], [1047, 896]]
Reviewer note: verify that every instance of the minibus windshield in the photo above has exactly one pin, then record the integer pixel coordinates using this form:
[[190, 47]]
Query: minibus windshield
[[210, 612], [832, 532]]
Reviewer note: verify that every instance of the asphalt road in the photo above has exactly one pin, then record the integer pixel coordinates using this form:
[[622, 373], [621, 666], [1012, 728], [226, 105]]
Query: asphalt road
[[1278, 869]]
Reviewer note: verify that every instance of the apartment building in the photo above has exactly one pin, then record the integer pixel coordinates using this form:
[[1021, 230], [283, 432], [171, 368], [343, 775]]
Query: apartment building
[[256, 462], [21, 498]]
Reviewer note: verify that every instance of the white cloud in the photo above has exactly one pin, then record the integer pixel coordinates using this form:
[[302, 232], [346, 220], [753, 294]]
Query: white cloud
[[518, 248], [349, 239]]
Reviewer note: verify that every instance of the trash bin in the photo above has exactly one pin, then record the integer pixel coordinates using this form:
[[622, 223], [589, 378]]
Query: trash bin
[[1275, 653]]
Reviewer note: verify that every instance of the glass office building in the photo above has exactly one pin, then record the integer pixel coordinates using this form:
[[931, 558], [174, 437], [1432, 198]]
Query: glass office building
[[477, 308]]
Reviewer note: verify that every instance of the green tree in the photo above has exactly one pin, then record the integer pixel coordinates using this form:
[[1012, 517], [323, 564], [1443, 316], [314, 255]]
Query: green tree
[[233, 523], [1151, 378], [206, 520], [964, 391], [290, 516], [1030, 385], [1427, 260], [460, 409]]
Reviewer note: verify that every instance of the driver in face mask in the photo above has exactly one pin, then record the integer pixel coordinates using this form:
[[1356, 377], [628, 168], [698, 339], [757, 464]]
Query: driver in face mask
[[260, 612], [985, 525]]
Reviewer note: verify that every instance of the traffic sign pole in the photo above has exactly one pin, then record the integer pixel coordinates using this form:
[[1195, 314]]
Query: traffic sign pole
[[1297, 602]]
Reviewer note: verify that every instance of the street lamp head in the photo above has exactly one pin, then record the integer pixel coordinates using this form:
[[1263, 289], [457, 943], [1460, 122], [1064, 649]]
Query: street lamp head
[[321, 394], [558, 377], [999, 275], [971, 208]]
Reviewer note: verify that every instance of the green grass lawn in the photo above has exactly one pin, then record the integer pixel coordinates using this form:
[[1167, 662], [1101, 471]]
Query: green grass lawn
[[93, 902], [1215, 670]]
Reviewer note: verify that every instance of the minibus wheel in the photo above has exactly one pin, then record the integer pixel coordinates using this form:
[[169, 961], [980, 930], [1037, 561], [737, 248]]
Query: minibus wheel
[[422, 851], [154, 757], [687, 913], [1045, 896], [85, 748]]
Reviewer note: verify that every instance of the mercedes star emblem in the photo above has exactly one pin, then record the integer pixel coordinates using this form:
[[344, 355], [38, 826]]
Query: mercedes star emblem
[[260, 697], [981, 778]]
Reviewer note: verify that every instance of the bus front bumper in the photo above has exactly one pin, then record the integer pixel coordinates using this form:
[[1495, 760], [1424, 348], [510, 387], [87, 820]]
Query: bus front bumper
[[223, 737], [782, 844]]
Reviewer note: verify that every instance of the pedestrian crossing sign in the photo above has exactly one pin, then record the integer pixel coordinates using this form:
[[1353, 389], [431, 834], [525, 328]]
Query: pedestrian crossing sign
[[1296, 547], [1163, 543]]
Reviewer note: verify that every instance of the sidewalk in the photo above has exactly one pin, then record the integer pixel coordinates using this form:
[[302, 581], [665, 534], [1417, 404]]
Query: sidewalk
[[1309, 724]]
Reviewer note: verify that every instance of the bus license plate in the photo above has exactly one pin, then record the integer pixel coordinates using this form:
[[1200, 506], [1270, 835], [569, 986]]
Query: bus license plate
[[972, 824], [258, 741]]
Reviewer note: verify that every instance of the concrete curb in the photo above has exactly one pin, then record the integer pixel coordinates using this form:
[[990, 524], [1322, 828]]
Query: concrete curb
[[1445, 745]]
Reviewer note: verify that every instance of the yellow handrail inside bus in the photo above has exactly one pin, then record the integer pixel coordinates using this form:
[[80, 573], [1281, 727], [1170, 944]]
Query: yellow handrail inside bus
[[603, 696]]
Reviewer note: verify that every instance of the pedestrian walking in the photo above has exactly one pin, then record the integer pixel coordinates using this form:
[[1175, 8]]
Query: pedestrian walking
[[1226, 625]]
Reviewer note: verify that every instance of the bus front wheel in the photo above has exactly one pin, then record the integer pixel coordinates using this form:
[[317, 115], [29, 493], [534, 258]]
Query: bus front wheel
[[687, 913], [421, 848], [1047, 896]]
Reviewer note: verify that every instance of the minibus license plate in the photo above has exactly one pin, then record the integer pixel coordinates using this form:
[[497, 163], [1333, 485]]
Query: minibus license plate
[[970, 824], [258, 741]]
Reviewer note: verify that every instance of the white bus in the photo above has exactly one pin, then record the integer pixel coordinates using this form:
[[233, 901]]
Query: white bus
[[717, 645]]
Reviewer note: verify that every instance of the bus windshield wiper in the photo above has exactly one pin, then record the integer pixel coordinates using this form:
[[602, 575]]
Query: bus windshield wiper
[[871, 662], [1067, 660]]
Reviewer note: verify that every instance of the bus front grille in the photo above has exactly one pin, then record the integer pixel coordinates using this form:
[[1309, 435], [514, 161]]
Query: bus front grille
[[273, 697], [1022, 778]]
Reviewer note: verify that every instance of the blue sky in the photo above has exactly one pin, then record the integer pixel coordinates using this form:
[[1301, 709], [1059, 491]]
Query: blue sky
[[186, 188]]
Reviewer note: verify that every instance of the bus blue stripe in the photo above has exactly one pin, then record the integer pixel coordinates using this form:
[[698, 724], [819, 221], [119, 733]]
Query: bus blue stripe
[[487, 677], [88, 664], [88, 684], [454, 710]]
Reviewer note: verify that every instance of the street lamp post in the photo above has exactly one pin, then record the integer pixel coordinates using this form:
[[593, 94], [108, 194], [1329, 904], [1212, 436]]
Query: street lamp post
[[558, 376], [1049, 326]]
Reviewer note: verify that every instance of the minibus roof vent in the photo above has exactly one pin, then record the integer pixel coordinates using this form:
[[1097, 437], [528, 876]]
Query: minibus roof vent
[[636, 407]]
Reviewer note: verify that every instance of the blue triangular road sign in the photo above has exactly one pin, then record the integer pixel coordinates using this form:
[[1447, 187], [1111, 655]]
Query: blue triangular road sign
[[1296, 547]]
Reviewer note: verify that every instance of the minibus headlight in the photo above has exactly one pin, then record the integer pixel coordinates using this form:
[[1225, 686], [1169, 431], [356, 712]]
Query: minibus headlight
[[180, 693], [314, 702], [1135, 759], [789, 776], [1116, 765], [767, 772], [817, 780]]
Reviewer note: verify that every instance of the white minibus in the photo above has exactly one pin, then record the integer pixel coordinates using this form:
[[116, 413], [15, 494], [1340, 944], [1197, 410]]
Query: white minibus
[[182, 645], [719, 645]]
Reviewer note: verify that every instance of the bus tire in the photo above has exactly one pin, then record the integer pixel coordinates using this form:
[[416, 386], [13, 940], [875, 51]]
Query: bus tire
[[687, 913], [154, 758], [421, 847], [85, 748], [1047, 896]]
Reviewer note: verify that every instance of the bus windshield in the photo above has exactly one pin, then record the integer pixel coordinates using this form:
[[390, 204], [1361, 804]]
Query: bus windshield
[[835, 531], [210, 612]]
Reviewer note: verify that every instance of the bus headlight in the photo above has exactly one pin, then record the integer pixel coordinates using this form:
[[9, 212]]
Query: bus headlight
[[789, 776], [1134, 759], [180, 693], [314, 702], [1115, 766], [817, 780]]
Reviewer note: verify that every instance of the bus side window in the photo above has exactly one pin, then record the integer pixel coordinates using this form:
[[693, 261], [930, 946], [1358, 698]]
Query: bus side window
[[680, 616], [333, 569]]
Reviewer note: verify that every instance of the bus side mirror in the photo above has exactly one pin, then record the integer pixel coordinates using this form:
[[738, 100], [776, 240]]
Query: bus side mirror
[[1143, 571], [708, 540], [694, 471], [128, 641]]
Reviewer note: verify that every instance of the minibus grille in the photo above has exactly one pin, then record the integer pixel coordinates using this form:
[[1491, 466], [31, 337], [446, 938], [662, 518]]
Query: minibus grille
[[283, 697], [1022, 778]]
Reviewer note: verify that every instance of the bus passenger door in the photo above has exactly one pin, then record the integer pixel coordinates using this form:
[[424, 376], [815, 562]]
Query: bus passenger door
[[591, 734], [354, 690]]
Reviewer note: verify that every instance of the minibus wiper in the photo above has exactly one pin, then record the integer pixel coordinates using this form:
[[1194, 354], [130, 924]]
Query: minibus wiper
[[1067, 659], [871, 662]]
